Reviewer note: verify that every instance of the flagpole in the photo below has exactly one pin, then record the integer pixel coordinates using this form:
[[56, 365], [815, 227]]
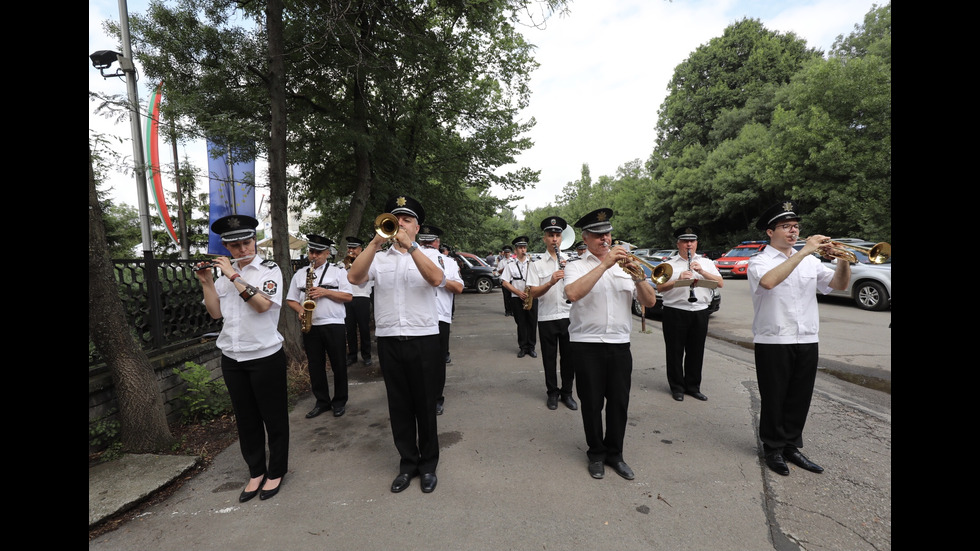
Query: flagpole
[[134, 118]]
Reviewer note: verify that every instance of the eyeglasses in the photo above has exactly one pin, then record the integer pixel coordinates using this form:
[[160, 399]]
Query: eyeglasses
[[788, 227]]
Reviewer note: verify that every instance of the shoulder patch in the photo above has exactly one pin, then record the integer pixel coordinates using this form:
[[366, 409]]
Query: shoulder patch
[[269, 287], [441, 263]]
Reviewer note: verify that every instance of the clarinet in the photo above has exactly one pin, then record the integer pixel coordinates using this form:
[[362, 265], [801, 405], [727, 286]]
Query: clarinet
[[691, 297]]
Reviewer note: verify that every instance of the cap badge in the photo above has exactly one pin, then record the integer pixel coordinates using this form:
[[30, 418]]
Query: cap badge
[[601, 216], [401, 201], [234, 222], [788, 206]]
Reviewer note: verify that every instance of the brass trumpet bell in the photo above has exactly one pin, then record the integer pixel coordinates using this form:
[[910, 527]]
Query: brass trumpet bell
[[386, 225], [658, 274]]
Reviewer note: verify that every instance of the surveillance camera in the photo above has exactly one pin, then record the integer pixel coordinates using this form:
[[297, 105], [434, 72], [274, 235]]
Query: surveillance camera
[[103, 59]]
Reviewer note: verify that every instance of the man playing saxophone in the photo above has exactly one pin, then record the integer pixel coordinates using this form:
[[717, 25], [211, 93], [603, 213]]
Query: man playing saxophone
[[514, 281], [326, 338]]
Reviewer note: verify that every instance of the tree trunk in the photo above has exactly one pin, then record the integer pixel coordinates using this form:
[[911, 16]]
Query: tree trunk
[[142, 416], [278, 194], [362, 160]]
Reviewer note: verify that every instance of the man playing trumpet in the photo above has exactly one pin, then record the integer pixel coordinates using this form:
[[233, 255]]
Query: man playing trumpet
[[600, 323], [406, 320], [784, 283]]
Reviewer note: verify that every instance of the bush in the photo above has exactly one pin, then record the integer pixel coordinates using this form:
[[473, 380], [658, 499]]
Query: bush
[[205, 398]]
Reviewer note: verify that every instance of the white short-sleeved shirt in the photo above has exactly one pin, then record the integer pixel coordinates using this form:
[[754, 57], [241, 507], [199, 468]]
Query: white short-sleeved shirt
[[515, 273], [605, 313], [552, 305], [404, 302], [444, 297], [677, 297], [787, 313], [327, 311], [245, 333]]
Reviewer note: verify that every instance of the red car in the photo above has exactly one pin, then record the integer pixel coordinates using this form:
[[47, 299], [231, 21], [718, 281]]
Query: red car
[[735, 262]]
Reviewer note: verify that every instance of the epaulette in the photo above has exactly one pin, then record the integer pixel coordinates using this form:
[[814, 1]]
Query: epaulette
[[573, 259], [269, 263]]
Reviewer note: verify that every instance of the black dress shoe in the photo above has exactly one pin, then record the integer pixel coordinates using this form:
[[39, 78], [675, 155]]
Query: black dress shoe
[[351, 361], [245, 496], [521, 354], [801, 461], [439, 409], [596, 469], [777, 464], [429, 482], [266, 494], [532, 353], [339, 411], [315, 411], [622, 469], [679, 396], [699, 396], [552, 402], [569, 402], [367, 361], [401, 482]]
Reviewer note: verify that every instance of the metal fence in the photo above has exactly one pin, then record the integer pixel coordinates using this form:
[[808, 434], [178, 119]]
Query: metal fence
[[163, 303]]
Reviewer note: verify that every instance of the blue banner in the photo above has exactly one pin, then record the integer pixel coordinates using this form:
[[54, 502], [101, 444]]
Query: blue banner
[[232, 191]]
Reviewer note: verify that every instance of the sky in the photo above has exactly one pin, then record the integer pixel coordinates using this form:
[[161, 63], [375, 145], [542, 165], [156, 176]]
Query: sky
[[603, 74]]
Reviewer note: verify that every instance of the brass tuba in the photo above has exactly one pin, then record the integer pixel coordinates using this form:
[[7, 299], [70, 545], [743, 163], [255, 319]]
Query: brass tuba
[[309, 304], [877, 254]]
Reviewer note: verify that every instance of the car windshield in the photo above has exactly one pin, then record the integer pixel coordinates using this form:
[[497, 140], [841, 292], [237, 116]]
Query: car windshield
[[734, 252]]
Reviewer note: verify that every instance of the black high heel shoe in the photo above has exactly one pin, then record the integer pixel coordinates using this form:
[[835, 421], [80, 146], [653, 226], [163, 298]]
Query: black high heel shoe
[[266, 494], [245, 496]]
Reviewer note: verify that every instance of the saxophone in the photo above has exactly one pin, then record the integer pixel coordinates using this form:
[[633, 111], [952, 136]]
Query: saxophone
[[309, 304]]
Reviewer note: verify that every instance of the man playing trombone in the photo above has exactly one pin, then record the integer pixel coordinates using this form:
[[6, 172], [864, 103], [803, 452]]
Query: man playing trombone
[[784, 283], [406, 320], [685, 314], [600, 322]]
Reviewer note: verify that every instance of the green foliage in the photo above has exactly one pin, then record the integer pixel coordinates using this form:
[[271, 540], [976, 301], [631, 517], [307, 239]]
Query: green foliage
[[205, 398], [103, 432]]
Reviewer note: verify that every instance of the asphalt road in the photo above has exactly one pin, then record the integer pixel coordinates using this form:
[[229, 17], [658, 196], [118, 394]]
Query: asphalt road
[[512, 474]]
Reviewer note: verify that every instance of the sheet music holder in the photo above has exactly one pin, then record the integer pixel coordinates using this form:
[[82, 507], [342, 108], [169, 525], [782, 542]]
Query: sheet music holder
[[700, 283]]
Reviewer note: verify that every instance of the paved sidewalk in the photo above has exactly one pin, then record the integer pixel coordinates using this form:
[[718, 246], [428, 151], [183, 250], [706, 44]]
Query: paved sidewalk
[[512, 474]]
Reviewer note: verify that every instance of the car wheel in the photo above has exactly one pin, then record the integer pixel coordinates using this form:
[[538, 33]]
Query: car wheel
[[637, 309], [484, 285], [871, 295]]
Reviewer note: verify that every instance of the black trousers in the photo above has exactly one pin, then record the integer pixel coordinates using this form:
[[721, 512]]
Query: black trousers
[[325, 342], [257, 389], [786, 374], [507, 306], [684, 335], [410, 368], [554, 339], [527, 323], [358, 324], [444, 346], [603, 376]]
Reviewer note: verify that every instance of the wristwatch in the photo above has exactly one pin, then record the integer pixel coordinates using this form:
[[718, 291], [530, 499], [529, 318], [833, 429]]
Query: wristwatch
[[414, 246]]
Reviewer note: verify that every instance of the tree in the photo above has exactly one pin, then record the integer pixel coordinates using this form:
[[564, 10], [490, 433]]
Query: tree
[[141, 412]]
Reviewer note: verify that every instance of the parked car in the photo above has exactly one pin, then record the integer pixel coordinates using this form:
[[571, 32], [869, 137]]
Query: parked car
[[663, 254], [476, 273], [870, 286], [735, 262]]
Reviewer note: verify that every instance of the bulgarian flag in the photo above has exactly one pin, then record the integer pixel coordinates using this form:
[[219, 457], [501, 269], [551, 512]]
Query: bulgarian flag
[[153, 155]]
